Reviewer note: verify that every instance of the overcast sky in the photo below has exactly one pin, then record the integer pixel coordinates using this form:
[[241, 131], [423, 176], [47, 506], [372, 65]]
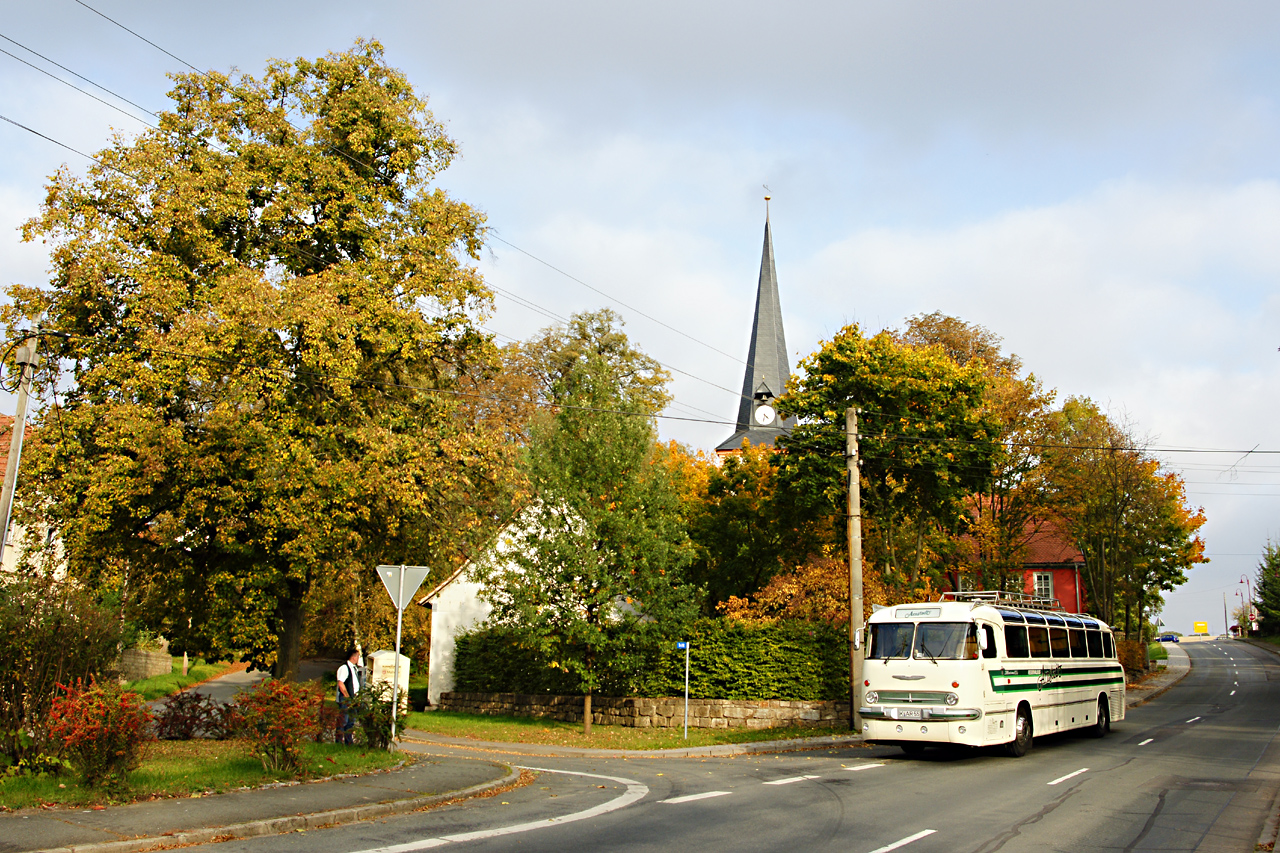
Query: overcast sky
[[1095, 182]]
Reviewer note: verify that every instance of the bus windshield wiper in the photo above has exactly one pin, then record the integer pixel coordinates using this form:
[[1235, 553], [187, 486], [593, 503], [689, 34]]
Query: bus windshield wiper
[[924, 648]]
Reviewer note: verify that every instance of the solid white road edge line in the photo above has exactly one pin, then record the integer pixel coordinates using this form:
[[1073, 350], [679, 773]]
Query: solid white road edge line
[[904, 842], [635, 791], [689, 798], [1147, 741], [1069, 775], [864, 766], [788, 781]]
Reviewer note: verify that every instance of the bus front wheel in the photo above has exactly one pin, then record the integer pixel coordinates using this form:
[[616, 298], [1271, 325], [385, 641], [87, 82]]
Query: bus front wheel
[[1102, 724], [1022, 734]]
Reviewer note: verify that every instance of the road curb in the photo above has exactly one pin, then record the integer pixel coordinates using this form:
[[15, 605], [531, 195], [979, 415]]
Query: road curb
[[279, 825], [1159, 691], [1270, 827], [719, 750]]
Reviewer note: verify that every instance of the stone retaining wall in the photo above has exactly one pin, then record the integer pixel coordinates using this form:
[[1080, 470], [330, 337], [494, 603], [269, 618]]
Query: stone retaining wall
[[135, 664], [655, 713]]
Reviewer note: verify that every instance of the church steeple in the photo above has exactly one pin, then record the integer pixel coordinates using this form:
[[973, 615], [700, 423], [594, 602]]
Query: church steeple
[[767, 365]]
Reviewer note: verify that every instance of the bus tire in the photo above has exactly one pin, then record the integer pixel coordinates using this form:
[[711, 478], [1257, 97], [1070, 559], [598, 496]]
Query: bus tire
[[1022, 734], [912, 748], [1102, 725]]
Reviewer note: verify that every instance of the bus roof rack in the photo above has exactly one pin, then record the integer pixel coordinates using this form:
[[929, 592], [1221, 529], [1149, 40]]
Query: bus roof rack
[[997, 596]]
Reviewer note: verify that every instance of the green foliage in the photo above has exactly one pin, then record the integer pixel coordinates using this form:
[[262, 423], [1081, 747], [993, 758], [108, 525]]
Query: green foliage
[[278, 716], [50, 633], [159, 686], [373, 710], [101, 729], [603, 544], [266, 309], [1266, 591], [728, 660]]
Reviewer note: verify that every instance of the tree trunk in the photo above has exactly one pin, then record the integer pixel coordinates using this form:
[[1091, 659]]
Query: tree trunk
[[586, 714], [289, 648]]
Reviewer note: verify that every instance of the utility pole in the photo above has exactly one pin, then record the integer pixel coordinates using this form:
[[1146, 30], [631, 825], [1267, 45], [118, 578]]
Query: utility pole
[[1226, 622], [26, 358], [855, 567]]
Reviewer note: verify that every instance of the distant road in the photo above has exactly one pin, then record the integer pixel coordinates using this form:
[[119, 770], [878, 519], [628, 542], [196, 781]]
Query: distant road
[[1194, 770]]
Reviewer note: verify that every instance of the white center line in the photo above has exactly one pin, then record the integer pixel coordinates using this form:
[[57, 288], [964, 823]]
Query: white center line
[[1069, 775], [904, 842], [864, 766], [691, 797], [1147, 741], [788, 781], [1193, 719]]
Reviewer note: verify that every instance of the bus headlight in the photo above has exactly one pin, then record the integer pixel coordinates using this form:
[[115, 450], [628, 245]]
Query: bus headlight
[[871, 697], [952, 699]]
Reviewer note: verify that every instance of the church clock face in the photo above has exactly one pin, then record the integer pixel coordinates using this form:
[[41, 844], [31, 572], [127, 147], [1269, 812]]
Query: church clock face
[[765, 414]]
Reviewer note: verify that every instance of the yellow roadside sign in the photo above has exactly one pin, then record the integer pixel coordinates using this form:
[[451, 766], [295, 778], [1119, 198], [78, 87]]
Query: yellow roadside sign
[[1201, 627]]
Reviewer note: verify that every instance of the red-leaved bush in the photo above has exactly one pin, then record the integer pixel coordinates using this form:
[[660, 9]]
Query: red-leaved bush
[[277, 716], [102, 729]]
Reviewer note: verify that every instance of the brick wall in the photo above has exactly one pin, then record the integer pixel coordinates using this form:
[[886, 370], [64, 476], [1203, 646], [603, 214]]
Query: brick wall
[[655, 713]]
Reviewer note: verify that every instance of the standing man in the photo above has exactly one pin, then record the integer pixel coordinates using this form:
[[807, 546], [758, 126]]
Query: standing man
[[348, 687]]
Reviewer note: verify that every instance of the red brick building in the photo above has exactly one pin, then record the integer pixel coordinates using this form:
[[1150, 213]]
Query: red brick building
[[1053, 567]]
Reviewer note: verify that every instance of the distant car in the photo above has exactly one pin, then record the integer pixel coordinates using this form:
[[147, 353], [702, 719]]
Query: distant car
[[1224, 636], [1168, 638]]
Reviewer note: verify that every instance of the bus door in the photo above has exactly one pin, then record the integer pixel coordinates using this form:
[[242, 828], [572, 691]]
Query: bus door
[[993, 704]]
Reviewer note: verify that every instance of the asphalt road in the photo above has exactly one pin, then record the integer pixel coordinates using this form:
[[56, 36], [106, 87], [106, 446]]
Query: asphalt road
[[1196, 769]]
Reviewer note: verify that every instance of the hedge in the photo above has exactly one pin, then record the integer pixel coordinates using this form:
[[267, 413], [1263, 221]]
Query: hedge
[[728, 660]]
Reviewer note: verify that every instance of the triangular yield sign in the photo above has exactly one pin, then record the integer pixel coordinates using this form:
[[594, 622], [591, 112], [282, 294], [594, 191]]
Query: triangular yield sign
[[413, 578]]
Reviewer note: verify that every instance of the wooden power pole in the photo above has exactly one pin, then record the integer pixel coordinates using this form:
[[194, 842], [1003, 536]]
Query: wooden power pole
[[855, 567]]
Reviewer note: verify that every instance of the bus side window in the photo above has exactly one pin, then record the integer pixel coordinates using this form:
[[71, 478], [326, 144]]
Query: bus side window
[[990, 650], [1095, 643], [1015, 641], [1079, 648], [1108, 649], [1039, 638]]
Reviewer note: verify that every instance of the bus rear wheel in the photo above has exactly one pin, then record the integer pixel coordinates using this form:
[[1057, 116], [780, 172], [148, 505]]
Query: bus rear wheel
[[1102, 725], [1022, 734]]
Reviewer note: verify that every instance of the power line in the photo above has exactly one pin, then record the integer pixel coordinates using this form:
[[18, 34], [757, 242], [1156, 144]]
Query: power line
[[120, 110], [81, 76]]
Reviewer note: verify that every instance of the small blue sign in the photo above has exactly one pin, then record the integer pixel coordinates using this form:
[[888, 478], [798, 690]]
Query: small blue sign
[[682, 645]]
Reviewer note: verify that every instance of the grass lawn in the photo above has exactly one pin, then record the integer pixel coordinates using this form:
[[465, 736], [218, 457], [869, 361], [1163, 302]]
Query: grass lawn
[[185, 768], [163, 685], [553, 732], [1157, 652]]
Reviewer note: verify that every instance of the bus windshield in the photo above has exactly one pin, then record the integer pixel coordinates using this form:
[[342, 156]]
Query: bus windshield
[[928, 641]]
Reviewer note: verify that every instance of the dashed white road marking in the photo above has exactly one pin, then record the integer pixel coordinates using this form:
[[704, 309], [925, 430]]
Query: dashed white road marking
[[791, 779], [691, 797], [1233, 693], [1147, 741], [1069, 775], [635, 791], [1193, 719], [904, 842], [864, 766]]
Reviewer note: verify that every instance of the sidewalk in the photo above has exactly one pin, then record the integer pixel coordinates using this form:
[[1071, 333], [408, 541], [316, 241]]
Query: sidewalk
[[414, 740], [1179, 665], [245, 814]]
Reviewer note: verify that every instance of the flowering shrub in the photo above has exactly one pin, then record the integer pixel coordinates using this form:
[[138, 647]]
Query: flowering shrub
[[102, 729], [188, 714], [328, 718], [277, 716]]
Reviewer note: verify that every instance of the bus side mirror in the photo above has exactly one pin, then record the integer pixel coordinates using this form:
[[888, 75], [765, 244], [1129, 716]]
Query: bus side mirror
[[982, 639]]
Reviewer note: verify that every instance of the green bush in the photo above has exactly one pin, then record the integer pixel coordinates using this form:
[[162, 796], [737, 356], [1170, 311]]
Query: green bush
[[728, 660], [277, 716], [51, 633], [372, 709]]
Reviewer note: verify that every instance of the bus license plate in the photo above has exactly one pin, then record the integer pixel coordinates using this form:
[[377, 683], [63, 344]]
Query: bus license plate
[[909, 714]]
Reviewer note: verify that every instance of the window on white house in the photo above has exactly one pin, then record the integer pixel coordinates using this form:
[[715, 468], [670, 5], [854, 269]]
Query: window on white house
[[1044, 584]]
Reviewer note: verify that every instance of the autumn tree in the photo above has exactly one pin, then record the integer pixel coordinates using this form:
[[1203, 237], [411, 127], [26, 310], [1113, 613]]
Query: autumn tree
[[924, 440], [262, 316], [600, 550]]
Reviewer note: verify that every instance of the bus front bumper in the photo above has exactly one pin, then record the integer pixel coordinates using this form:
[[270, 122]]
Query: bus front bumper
[[918, 714]]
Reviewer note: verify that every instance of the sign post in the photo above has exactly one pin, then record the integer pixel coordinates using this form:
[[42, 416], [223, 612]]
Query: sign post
[[684, 644], [401, 583]]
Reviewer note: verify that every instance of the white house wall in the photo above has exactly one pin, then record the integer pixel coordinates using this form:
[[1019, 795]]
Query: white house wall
[[455, 609]]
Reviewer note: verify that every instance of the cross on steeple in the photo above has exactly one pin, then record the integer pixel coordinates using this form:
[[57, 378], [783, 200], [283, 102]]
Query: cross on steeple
[[767, 366]]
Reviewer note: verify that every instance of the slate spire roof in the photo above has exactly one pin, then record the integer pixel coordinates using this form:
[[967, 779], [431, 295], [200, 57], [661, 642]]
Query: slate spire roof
[[767, 366]]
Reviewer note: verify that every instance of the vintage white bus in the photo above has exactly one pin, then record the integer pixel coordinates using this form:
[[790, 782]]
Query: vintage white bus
[[987, 668]]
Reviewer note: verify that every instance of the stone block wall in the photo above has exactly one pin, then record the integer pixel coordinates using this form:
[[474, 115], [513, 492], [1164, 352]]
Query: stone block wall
[[136, 664], [667, 712]]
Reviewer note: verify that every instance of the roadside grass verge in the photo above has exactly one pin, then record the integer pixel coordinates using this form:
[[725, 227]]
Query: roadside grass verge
[[190, 768], [1157, 652], [159, 686], [556, 733]]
